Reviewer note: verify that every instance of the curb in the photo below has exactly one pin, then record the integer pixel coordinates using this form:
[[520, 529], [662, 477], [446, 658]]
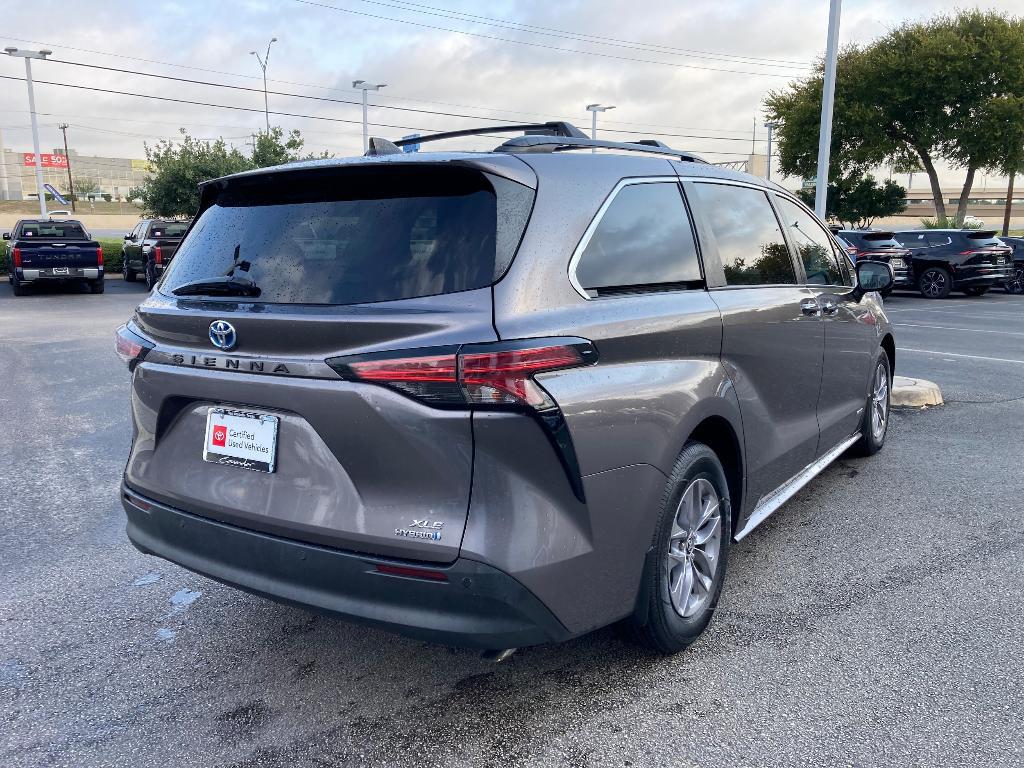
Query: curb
[[914, 393]]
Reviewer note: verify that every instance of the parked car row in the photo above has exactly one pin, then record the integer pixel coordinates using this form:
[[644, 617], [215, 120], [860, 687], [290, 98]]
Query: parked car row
[[937, 262], [60, 250]]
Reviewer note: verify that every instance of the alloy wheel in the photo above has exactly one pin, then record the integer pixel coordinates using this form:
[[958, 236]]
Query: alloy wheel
[[693, 549], [879, 402], [933, 283], [1016, 283]]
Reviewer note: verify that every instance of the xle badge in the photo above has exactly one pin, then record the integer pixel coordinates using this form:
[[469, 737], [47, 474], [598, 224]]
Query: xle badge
[[421, 529]]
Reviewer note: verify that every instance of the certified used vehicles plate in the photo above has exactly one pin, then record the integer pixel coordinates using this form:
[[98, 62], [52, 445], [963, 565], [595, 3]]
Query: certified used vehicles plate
[[60, 270], [241, 439], [899, 263]]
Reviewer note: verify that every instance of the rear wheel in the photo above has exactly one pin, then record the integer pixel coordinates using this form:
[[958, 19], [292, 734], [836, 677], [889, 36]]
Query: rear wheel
[[19, 289], [934, 283], [976, 291], [150, 276], [875, 424], [129, 273], [683, 575], [97, 286], [1016, 282]]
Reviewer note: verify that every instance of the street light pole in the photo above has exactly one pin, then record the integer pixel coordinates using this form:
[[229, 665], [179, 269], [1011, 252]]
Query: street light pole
[[263, 65], [768, 158], [28, 56], [67, 157], [364, 87], [593, 109], [828, 93]]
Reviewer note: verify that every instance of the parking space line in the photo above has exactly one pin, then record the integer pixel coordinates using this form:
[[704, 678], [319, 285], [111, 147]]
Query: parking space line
[[987, 316], [952, 328], [939, 353]]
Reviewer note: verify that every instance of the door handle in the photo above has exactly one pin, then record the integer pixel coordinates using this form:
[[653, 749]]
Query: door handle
[[810, 307]]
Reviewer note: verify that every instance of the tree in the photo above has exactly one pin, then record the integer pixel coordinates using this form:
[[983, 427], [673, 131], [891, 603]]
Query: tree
[[950, 88], [85, 185], [857, 200], [179, 167]]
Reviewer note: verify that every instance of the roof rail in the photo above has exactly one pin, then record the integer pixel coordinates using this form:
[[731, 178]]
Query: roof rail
[[554, 128], [556, 144]]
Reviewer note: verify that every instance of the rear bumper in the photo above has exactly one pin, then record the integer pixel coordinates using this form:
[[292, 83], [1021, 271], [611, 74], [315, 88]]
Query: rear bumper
[[29, 275], [981, 275], [477, 606]]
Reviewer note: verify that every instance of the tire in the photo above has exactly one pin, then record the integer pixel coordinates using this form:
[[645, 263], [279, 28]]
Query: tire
[[17, 287], [97, 286], [872, 436], [150, 276], [886, 292], [934, 283], [1016, 283], [668, 620], [130, 274], [976, 291]]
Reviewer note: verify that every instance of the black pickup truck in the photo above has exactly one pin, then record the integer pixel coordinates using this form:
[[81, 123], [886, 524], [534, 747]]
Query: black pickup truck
[[149, 248], [52, 250]]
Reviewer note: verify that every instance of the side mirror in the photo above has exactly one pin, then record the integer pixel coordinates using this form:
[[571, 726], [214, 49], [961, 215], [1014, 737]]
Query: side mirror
[[128, 236], [7, 235], [873, 276]]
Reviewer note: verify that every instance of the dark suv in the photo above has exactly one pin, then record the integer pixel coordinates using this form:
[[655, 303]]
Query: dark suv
[[495, 399], [1015, 282], [945, 260], [149, 248], [879, 246]]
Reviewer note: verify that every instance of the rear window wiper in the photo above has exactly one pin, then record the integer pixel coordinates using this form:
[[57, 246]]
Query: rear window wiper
[[218, 286]]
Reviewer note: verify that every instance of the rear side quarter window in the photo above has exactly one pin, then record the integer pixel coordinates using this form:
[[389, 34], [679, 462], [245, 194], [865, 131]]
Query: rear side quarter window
[[642, 241]]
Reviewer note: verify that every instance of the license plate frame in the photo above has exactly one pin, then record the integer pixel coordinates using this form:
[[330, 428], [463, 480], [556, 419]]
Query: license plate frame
[[60, 270], [244, 455]]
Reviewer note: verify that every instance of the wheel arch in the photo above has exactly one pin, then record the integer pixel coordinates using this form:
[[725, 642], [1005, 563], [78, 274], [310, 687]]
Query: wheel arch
[[718, 434], [889, 345]]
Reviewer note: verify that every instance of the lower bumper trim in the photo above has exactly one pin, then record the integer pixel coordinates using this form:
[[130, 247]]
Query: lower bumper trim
[[477, 607]]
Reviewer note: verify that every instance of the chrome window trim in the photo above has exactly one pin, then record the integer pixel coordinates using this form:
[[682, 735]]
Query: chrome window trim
[[592, 227]]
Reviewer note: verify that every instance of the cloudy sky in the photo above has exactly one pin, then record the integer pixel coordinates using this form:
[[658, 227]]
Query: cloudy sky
[[691, 73]]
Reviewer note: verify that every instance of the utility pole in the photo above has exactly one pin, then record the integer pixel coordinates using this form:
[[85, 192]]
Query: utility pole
[[28, 56], [1009, 205], [768, 158], [828, 93], [67, 156], [593, 109], [364, 86], [263, 65]]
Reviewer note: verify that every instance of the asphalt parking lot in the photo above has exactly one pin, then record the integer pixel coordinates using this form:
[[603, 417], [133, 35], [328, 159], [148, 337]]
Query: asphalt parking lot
[[875, 619]]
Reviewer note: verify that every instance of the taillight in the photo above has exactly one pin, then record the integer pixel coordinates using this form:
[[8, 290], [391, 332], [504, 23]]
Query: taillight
[[130, 347], [99, 256], [17, 257], [499, 374], [158, 256]]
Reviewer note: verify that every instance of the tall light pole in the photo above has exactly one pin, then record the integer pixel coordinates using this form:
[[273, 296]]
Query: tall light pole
[[828, 93], [263, 65], [67, 157], [28, 56], [593, 109], [768, 158], [364, 86]]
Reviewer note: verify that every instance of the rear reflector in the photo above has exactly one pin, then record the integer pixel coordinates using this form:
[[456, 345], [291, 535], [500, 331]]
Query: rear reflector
[[412, 573]]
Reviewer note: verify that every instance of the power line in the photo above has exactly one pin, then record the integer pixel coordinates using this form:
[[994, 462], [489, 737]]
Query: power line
[[377, 96], [445, 13], [541, 45], [327, 99]]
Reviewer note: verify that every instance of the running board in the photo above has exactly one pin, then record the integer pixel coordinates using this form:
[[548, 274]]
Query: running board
[[788, 489]]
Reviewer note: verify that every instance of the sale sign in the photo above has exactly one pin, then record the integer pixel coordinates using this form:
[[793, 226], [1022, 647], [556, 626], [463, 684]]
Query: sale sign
[[48, 161]]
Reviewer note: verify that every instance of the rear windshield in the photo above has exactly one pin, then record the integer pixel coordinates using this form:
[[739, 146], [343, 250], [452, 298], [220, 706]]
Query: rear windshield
[[356, 236], [985, 238], [54, 230], [871, 239], [171, 229]]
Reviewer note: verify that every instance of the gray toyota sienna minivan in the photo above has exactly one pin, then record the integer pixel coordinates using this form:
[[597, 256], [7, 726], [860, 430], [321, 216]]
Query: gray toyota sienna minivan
[[495, 399]]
